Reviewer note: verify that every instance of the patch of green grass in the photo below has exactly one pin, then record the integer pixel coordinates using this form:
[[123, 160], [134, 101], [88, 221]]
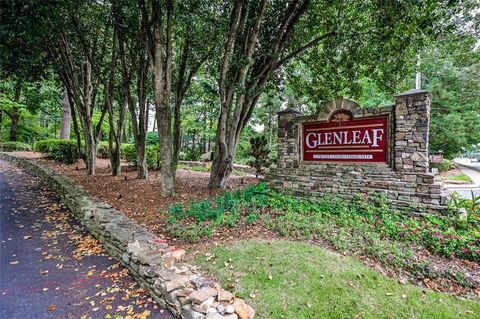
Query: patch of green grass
[[197, 168], [461, 177], [311, 282]]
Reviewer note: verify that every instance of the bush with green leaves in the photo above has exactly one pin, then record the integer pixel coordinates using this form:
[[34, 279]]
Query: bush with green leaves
[[129, 154], [444, 166], [102, 150], [260, 154], [64, 151], [45, 146], [14, 146]]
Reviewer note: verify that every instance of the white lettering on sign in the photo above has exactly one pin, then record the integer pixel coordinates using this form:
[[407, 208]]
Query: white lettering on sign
[[343, 156], [370, 137]]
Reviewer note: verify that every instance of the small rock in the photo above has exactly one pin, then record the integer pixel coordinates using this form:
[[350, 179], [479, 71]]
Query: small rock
[[201, 295], [230, 309], [204, 306], [243, 310], [185, 292], [175, 281], [222, 309], [215, 315], [168, 261], [202, 282], [189, 313], [225, 296]]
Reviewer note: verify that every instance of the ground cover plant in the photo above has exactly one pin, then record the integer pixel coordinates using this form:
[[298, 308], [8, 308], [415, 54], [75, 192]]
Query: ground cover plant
[[284, 279], [308, 219], [368, 230]]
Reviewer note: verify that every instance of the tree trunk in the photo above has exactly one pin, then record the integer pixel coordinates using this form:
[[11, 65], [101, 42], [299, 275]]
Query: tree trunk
[[76, 130], [115, 133], [15, 114], [222, 166], [176, 130], [1, 125], [162, 81], [270, 131], [66, 117], [15, 118], [90, 150]]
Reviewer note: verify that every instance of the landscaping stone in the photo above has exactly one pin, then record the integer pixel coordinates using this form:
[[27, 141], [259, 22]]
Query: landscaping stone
[[189, 313], [202, 294], [203, 283], [225, 296], [204, 306], [243, 310], [155, 265]]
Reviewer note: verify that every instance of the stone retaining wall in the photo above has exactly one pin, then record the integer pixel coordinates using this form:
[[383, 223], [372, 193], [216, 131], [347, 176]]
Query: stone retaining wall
[[157, 266], [404, 178]]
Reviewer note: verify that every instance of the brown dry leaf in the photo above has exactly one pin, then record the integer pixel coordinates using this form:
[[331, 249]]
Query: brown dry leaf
[[143, 315], [89, 246], [52, 307]]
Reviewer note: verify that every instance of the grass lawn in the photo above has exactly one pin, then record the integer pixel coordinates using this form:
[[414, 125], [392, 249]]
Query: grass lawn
[[456, 177], [298, 280], [461, 177]]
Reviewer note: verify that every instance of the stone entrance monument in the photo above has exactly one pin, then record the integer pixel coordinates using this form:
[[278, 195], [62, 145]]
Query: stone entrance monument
[[346, 150]]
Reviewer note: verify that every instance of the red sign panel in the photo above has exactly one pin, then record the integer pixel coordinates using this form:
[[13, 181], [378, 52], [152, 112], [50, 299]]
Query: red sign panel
[[344, 139], [436, 158]]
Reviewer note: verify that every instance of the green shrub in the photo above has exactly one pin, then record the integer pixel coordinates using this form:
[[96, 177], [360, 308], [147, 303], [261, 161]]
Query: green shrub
[[129, 154], [45, 146], [150, 139], [260, 154], [61, 150], [444, 166], [65, 152], [102, 150], [14, 146]]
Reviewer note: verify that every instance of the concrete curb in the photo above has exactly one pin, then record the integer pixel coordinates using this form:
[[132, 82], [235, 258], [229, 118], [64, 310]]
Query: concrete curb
[[156, 266]]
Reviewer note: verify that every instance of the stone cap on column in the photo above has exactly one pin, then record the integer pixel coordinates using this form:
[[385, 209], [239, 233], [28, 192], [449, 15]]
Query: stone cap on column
[[288, 110], [411, 92]]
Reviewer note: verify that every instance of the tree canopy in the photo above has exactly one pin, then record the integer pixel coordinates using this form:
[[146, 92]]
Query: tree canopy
[[209, 75]]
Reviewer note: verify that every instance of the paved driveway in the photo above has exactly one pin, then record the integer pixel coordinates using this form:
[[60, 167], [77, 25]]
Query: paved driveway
[[50, 267]]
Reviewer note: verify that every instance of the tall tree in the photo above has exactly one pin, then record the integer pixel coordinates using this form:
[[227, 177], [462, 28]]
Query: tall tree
[[345, 37], [170, 78]]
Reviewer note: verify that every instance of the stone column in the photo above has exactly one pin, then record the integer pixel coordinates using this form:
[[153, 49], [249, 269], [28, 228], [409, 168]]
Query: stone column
[[287, 138], [412, 117]]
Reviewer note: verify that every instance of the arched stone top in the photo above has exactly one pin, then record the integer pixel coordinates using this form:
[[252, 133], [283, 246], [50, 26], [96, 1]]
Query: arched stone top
[[339, 103]]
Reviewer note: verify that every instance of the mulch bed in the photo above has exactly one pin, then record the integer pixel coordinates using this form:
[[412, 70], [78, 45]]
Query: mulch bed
[[141, 199]]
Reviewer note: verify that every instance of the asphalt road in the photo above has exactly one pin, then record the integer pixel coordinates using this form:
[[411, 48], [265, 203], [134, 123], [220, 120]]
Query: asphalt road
[[472, 170], [51, 268]]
